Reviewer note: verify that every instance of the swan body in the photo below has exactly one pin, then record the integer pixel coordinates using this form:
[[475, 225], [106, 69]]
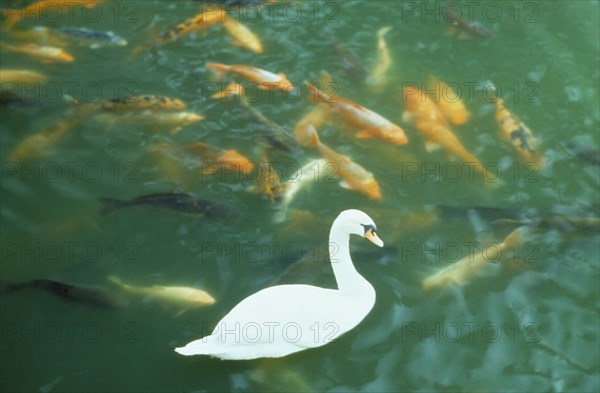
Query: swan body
[[284, 319]]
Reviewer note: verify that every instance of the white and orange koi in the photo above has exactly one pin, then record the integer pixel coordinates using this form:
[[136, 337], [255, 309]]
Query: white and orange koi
[[354, 176], [46, 54], [515, 132], [371, 124], [8, 76], [264, 79], [242, 35]]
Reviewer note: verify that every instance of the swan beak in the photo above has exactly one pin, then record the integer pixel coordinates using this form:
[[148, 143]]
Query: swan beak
[[372, 236]]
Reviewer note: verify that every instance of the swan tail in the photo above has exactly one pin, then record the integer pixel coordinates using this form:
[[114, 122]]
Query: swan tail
[[199, 347]]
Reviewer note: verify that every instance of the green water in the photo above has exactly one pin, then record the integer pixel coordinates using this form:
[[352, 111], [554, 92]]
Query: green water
[[529, 323]]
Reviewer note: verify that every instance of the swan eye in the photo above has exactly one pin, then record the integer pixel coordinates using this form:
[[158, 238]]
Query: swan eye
[[369, 228]]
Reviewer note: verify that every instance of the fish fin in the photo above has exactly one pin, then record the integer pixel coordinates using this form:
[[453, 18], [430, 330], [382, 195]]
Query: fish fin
[[407, 117], [431, 146], [281, 74], [175, 130], [324, 79], [365, 134], [180, 313], [344, 184], [110, 205]]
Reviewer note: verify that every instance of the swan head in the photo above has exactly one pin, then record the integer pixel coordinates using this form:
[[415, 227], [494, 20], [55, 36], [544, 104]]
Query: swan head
[[359, 223]]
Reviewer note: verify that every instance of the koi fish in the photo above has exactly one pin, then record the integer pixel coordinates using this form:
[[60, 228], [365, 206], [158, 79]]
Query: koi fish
[[197, 23], [40, 144], [42, 7], [139, 102], [11, 76], [461, 271], [275, 135], [268, 182], [38, 34], [242, 35], [169, 165], [378, 76], [451, 106], [354, 176], [186, 296], [467, 29], [47, 54], [429, 120], [370, 123], [515, 132], [214, 158], [91, 38], [175, 121], [348, 61], [265, 80], [183, 203], [314, 119], [93, 296]]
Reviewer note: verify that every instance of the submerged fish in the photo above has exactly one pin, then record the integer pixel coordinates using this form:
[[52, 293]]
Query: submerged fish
[[139, 102], [378, 76], [467, 29], [560, 223], [449, 102], [183, 203], [43, 7], [40, 35], [429, 120], [265, 80], [12, 76], [354, 176], [93, 296], [515, 132], [197, 23], [184, 296], [268, 182], [460, 272], [242, 35], [348, 61], [41, 143], [92, 38], [586, 153], [175, 121], [313, 119], [46, 54], [215, 159], [370, 124]]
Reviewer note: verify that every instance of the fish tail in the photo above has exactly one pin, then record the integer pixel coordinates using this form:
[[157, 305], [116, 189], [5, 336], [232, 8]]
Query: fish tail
[[7, 286], [110, 205], [218, 70]]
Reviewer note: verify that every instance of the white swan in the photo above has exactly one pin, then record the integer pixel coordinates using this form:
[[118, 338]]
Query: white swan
[[284, 319]]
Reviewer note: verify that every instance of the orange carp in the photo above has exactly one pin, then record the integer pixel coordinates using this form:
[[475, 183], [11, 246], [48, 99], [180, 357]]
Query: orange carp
[[214, 158], [44, 7], [429, 120], [449, 102], [47, 54], [371, 124], [242, 36], [354, 176], [314, 119], [515, 132], [264, 79], [8, 76]]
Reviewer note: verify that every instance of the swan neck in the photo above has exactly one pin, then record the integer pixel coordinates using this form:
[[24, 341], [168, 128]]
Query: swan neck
[[346, 276]]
